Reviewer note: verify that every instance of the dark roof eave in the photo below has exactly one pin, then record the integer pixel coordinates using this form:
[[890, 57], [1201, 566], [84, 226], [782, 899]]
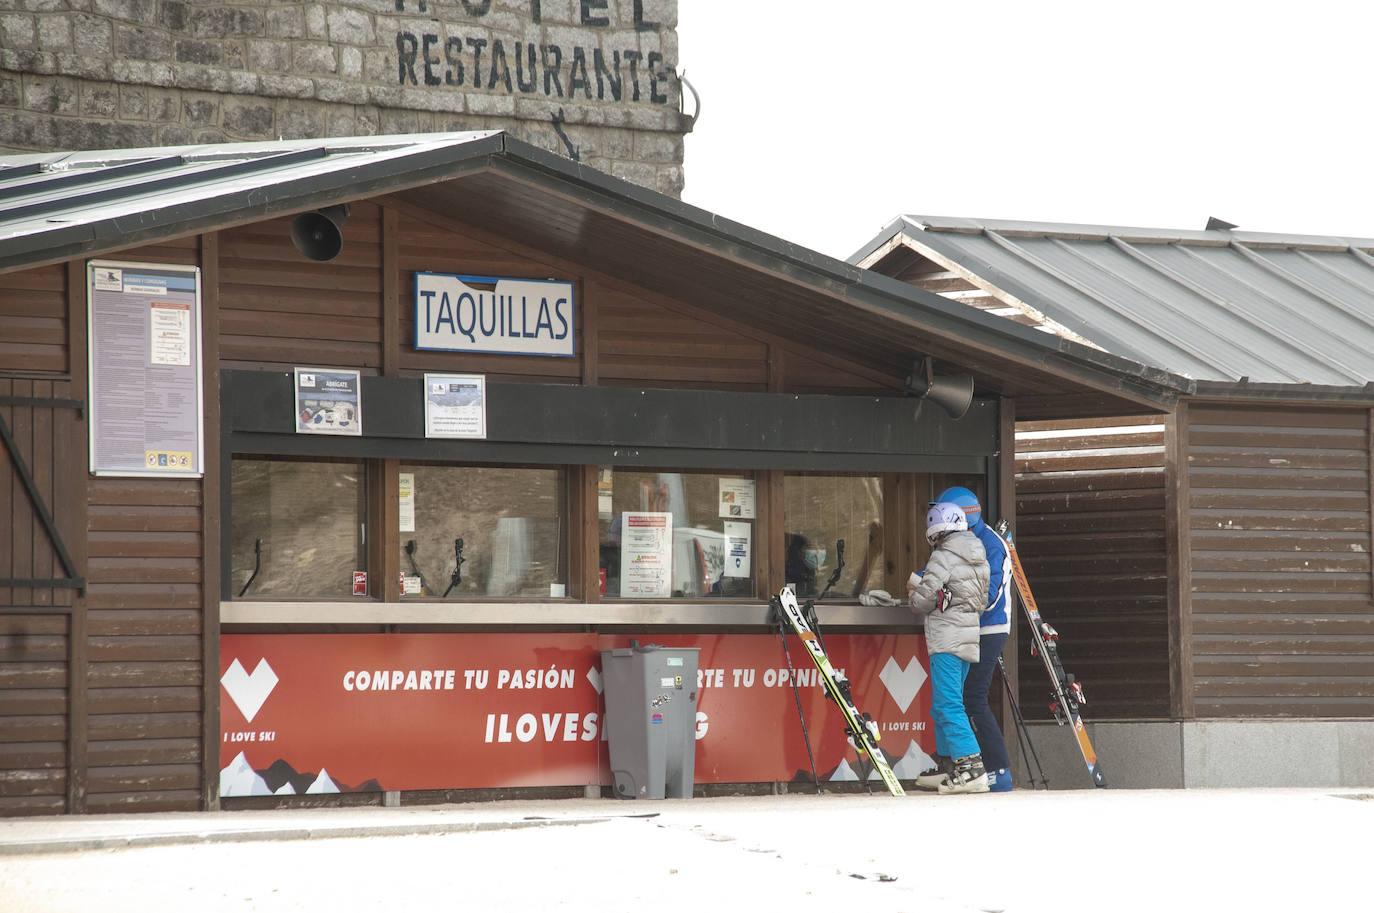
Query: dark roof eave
[[1299, 393]]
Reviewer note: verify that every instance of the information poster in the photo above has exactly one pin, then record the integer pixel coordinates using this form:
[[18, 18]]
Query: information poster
[[737, 499], [737, 537], [456, 405], [646, 555], [407, 488], [328, 402], [145, 369]]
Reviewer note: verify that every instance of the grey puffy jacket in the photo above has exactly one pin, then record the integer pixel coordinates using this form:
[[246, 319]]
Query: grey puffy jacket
[[960, 564]]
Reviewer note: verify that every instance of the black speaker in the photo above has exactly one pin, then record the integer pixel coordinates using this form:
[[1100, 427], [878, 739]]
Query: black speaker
[[319, 234], [951, 392]]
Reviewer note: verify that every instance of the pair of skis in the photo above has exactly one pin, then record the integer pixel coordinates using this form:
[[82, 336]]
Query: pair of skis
[[1066, 697], [859, 726]]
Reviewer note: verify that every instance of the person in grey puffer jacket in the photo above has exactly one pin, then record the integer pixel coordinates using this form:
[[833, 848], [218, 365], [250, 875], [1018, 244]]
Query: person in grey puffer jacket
[[951, 593]]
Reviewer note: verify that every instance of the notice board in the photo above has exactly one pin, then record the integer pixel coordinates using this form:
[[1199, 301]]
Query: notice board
[[144, 351]]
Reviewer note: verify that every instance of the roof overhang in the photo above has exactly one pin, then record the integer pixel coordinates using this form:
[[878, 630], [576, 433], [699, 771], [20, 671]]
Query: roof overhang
[[492, 183]]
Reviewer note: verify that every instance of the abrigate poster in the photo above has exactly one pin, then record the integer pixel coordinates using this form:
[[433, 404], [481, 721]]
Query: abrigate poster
[[357, 712]]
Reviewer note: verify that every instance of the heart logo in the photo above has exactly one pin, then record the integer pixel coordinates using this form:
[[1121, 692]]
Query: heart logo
[[902, 684], [594, 677], [249, 691]]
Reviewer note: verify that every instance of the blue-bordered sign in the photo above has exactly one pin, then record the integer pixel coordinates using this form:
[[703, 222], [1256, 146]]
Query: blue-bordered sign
[[494, 315]]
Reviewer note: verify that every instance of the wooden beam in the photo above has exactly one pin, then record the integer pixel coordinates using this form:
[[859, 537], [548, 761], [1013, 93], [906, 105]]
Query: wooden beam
[[210, 518], [78, 703], [1006, 509], [1178, 561], [584, 572]]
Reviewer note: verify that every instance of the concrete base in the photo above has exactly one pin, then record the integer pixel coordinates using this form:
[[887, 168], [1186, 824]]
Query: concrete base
[[1204, 753]]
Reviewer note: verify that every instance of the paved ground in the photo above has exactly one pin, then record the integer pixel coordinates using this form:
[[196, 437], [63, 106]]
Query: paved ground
[[1118, 850]]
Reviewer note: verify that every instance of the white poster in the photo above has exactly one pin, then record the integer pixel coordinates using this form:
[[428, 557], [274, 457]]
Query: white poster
[[407, 488], [456, 405], [170, 325], [646, 555], [328, 402], [737, 536], [737, 499], [145, 372]]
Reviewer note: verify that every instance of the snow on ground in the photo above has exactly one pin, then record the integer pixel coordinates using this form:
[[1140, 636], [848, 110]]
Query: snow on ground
[[1022, 852]]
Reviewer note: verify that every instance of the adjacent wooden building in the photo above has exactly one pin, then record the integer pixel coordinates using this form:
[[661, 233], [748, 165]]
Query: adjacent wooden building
[[1211, 564]]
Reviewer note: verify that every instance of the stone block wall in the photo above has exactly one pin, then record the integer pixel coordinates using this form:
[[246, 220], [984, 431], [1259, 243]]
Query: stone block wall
[[593, 80]]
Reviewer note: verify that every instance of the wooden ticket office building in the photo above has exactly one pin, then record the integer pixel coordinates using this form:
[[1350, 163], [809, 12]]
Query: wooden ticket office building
[[705, 368]]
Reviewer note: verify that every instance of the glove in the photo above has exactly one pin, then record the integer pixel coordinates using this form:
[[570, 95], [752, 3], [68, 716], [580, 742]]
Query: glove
[[877, 597], [942, 598]]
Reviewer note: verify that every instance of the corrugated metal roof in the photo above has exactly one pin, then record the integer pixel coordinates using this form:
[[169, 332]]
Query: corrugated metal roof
[[64, 206], [66, 203], [1211, 305]]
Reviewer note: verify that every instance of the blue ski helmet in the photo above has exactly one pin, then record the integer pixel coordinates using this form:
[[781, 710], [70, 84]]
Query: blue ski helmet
[[966, 500]]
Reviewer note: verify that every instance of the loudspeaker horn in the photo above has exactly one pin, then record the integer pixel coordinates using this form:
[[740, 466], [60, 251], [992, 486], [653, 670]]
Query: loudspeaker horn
[[319, 234], [951, 392]]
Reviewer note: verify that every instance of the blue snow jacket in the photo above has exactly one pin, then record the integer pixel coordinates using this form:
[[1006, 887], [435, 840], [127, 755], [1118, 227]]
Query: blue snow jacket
[[996, 619]]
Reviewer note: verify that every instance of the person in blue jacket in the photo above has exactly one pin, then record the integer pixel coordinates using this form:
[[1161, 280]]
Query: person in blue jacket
[[994, 626]]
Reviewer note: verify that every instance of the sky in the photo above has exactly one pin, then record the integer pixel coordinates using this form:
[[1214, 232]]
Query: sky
[[823, 120]]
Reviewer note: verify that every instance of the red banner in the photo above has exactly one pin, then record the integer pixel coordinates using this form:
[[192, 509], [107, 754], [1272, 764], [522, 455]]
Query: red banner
[[349, 712]]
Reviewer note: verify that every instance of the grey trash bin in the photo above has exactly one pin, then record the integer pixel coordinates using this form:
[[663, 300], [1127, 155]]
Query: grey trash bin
[[651, 719]]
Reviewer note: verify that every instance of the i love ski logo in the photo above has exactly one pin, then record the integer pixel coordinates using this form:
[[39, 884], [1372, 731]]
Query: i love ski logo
[[248, 692], [903, 684]]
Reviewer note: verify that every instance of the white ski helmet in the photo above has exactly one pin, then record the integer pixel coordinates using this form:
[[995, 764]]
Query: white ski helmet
[[942, 518]]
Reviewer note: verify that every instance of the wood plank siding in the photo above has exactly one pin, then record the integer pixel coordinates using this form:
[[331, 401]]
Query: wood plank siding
[[33, 325], [1279, 526], [103, 694], [278, 310], [33, 713], [1090, 532]]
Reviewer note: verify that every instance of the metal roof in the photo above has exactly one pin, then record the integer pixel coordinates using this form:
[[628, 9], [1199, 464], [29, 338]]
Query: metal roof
[[1220, 305], [63, 206]]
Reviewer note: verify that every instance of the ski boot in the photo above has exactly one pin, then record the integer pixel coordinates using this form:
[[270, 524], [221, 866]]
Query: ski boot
[[931, 778], [968, 776]]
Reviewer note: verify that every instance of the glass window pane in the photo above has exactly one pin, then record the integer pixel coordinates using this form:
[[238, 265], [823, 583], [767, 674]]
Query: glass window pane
[[676, 534], [508, 525], [818, 512], [309, 517]]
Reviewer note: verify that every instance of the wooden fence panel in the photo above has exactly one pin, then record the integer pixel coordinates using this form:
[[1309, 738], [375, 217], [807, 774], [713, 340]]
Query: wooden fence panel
[[143, 644], [1282, 624], [1090, 532]]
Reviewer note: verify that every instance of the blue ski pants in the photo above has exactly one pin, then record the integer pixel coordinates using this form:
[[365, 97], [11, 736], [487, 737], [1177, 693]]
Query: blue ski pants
[[976, 687], [953, 734]]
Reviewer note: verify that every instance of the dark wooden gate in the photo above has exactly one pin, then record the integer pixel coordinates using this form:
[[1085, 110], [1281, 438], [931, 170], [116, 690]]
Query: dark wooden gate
[[42, 624]]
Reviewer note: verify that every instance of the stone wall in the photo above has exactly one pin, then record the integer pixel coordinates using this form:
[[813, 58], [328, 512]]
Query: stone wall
[[594, 80]]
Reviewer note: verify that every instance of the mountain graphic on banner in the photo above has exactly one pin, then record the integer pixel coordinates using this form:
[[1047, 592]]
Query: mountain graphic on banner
[[281, 779], [240, 779], [843, 774], [913, 762]]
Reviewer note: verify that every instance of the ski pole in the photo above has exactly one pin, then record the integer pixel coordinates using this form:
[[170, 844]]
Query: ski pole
[[792, 674], [1022, 731]]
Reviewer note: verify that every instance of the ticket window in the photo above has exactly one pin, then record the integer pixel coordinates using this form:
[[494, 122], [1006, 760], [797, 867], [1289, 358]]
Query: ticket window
[[819, 512], [298, 528], [483, 531], [666, 535]]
